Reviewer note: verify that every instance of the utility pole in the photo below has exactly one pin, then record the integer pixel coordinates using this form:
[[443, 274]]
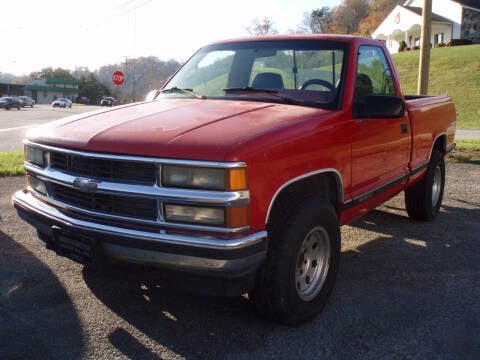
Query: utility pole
[[133, 81], [424, 64], [126, 75], [134, 49]]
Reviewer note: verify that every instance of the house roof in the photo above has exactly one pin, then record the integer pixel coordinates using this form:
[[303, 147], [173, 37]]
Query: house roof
[[63, 81], [435, 17], [469, 3], [51, 88]]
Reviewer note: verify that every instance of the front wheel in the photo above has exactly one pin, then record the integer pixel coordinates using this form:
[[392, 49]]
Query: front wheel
[[295, 283], [424, 199]]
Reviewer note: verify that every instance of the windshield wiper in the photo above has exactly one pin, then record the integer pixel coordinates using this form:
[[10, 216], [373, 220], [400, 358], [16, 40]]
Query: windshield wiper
[[249, 89], [285, 98], [187, 91]]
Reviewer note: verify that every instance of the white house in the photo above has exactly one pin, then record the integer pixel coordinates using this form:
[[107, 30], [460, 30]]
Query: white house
[[451, 19]]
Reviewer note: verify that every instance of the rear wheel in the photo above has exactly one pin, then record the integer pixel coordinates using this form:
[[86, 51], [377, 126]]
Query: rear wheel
[[304, 252], [424, 199]]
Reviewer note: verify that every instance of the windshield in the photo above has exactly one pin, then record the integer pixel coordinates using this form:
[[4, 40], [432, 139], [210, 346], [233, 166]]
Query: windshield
[[304, 72]]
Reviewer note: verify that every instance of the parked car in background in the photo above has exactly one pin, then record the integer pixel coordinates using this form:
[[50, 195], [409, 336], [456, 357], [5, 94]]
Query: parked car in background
[[26, 101], [8, 102], [62, 102], [108, 101]]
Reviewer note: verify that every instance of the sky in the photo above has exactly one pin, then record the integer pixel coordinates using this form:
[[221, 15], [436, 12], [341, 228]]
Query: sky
[[92, 33]]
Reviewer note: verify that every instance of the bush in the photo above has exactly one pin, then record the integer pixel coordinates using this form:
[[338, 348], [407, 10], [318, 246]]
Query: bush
[[402, 46], [459, 42], [440, 45]]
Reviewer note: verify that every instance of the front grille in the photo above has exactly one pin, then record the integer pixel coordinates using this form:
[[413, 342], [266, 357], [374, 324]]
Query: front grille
[[133, 207], [104, 169]]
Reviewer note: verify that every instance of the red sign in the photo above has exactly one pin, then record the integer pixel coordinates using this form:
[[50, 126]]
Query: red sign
[[118, 77]]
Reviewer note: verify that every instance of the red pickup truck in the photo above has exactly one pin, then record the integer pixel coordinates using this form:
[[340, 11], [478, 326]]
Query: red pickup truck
[[242, 169]]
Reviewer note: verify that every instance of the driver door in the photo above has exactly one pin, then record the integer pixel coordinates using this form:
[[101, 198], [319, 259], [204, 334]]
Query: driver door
[[380, 146]]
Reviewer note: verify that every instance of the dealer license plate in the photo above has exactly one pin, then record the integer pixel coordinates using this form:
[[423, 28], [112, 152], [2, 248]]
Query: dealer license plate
[[75, 247]]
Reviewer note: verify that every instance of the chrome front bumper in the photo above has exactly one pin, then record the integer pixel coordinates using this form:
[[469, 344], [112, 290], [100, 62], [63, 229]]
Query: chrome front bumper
[[227, 258]]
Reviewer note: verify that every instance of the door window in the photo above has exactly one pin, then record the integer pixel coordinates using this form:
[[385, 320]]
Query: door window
[[373, 76]]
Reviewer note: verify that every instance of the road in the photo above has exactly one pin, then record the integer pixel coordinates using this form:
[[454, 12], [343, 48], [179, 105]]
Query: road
[[467, 134], [15, 123], [405, 290]]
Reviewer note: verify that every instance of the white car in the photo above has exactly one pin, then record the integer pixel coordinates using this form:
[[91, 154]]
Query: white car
[[62, 102]]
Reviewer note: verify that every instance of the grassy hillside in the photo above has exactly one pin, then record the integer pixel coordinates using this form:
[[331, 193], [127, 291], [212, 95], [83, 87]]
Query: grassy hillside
[[454, 71]]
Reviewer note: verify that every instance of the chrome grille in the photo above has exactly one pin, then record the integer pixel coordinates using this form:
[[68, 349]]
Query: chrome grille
[[133, 207], [104, 169]]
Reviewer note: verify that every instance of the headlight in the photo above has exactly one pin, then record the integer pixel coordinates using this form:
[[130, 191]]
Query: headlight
[[35, 155], [233, 217], [195, 215], [204, 178]]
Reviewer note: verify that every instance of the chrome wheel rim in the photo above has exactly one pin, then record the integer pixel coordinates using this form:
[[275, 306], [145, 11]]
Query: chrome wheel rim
[[313, 262], [437, 185]]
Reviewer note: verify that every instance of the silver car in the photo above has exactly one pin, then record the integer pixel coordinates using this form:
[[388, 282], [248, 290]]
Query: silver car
[[62, 102], [26, 101]]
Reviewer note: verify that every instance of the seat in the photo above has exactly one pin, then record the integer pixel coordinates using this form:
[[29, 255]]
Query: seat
[[268, 80], [363, 88]]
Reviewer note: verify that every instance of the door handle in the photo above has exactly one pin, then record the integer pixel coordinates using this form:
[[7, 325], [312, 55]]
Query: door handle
[[403, 128]]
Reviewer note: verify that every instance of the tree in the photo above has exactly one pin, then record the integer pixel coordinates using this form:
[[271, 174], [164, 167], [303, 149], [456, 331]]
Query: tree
[[263, 27], [378, 10], [318, 21], [92, 88], [49, 73], [347, 16]]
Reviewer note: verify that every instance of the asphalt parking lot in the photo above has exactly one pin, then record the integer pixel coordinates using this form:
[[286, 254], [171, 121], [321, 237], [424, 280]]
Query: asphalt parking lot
[[405, 290], [15, 123]]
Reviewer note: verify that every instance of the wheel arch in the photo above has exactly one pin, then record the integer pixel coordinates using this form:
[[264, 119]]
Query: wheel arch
[[326, 183], [440, 143]]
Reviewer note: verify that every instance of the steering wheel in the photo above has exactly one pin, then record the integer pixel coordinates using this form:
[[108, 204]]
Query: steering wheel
[[321, 82]]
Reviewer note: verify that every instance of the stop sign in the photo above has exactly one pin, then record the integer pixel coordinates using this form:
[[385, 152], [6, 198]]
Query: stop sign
[[118, 77]]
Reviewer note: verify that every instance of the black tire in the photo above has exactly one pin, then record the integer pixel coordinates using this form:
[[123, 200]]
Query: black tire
[[302, 263], [424, 199]]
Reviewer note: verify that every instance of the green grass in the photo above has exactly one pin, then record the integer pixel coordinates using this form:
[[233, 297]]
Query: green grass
[[454, 71], [466, 151], [11, 163], [468, 144]]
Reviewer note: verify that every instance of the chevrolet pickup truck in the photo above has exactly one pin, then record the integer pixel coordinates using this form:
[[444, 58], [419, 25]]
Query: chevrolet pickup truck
[[243, 168]]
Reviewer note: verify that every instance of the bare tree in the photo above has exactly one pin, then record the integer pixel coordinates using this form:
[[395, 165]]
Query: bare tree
[[317, 21], [261, 27]]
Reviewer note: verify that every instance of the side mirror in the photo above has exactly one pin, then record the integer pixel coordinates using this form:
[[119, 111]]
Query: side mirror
[[383, 106]]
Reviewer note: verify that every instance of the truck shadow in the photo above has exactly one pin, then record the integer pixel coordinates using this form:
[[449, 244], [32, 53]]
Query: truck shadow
[[37, 318], [397, 284]]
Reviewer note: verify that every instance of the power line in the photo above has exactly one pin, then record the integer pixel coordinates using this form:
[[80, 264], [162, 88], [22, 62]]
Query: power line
[[123, 4], [115, 16]]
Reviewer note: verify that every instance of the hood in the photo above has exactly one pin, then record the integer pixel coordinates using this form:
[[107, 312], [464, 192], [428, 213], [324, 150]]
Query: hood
[[173, 128]]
